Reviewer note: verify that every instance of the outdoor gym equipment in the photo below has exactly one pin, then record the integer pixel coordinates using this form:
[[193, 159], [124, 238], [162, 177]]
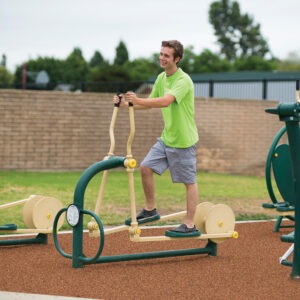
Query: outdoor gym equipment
[[279, 164], [38, 216], [216, 222], [290, 114]]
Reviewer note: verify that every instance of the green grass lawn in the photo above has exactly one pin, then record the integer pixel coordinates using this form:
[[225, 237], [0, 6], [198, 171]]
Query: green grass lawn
[[244, 194]]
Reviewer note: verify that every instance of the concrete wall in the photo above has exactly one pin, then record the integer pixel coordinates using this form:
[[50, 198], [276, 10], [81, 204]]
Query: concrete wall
[[41, 130]]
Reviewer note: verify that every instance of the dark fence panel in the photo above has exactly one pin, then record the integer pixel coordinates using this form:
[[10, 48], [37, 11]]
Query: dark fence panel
[[282, 90]]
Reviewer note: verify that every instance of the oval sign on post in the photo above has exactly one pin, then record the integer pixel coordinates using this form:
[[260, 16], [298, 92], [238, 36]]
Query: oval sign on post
[[72, 215]]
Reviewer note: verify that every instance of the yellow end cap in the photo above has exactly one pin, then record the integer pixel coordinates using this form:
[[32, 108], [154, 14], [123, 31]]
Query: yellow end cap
[[235, 235], [138, 231], [132, 163]]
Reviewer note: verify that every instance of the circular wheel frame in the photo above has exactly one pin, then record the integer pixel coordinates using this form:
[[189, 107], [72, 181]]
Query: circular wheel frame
[[212, 219], [220, 219], [200, 215], [39, 212]]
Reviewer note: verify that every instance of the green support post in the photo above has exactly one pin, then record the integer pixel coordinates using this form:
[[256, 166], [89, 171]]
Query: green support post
[[293, 131], [290, 114], [81, 186]]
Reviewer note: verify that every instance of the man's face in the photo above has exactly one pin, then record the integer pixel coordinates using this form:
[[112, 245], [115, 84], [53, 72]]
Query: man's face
[[166, 58]]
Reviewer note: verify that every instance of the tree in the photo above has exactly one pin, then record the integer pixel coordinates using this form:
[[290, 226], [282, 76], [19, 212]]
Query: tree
[[54, 68], [110, 73], [97, 60], [236, 33], [291, 63], [122, 55], [6, 78], [3, 61], [142, 69], [75, 68], [208, 61], [77, 53], [252, 63], [188, 61]]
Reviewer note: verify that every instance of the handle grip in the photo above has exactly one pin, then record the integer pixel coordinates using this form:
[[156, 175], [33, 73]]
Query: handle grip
[[119, 95], [130, 103]]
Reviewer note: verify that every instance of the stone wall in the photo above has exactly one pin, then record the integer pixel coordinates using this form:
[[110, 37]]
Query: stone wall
[[42, 130]]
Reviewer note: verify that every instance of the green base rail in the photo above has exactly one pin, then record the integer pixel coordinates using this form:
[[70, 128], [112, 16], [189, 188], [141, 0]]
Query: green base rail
[[78, 257], [38, 239], [8, 240]]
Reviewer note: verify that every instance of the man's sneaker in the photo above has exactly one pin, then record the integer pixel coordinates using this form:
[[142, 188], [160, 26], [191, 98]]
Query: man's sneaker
[[183, 231], [145, 216]]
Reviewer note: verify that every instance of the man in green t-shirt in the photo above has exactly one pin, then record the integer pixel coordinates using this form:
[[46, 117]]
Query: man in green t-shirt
[[173, 92]]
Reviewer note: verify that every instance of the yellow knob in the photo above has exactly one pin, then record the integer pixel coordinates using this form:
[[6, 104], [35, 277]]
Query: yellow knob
[[235, 235], [276, 155], [132, 163], [138, 231], [220, 223], [48, 216]]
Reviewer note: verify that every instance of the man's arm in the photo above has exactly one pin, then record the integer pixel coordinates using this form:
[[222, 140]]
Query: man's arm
[[159, 102], [120, 99]]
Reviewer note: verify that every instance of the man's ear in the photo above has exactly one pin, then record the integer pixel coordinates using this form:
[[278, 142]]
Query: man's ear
[[177, 59]]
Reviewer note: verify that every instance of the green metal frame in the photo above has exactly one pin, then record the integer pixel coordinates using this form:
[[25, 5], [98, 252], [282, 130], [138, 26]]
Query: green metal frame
[[268, 177], [290, 114], [78, 257], [268, 170], [40, 238]]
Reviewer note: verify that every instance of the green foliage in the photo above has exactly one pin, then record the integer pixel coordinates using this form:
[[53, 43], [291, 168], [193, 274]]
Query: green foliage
[[211, 62], [97, 60], [141, 69], [291, 63], [236, 33], [254, 63], [122, 55], [109, 73], [76, 68], [6, 78], [54, 67], [187, 63], [136, 70]]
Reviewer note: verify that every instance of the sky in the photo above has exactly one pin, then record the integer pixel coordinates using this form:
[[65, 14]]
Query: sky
[[53, 28]]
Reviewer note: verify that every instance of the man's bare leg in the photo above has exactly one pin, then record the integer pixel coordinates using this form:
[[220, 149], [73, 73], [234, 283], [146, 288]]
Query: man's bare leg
[[191, 203], [149, 187]]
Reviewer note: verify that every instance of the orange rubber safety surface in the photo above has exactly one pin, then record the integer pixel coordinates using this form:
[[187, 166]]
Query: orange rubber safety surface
[[245, 268]]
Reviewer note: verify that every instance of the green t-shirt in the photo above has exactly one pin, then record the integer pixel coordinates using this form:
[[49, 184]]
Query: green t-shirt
[[180, 130]]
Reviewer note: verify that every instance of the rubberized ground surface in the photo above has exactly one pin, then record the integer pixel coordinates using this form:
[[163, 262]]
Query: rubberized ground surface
[[245, 268]]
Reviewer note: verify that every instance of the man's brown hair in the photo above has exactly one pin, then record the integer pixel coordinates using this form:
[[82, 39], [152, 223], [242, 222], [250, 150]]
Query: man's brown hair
[[176, 46]]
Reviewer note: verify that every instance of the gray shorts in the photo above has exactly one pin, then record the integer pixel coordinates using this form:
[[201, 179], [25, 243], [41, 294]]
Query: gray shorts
[[180, 161]]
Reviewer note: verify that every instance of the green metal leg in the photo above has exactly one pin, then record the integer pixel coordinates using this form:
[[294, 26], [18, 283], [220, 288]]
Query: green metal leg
[[277, 224]]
